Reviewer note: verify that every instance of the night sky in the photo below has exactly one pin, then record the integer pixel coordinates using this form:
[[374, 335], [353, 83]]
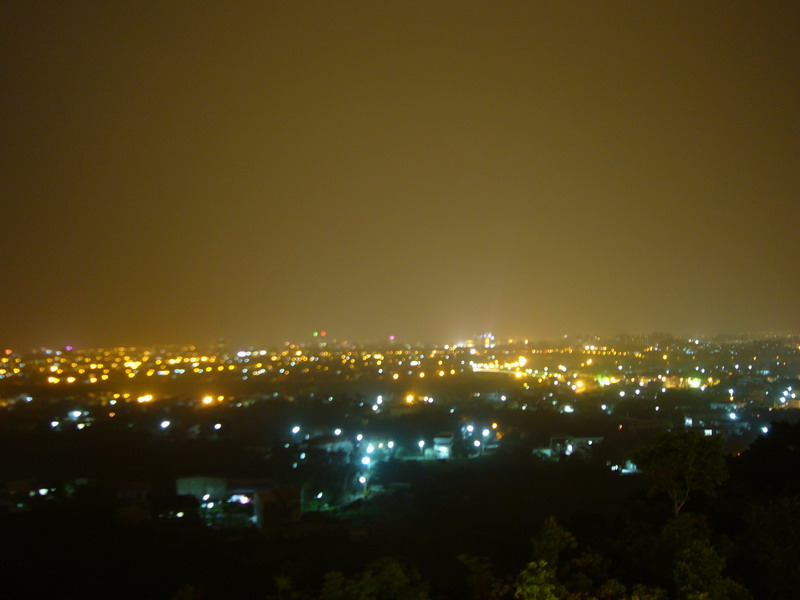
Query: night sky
[[174, 172]]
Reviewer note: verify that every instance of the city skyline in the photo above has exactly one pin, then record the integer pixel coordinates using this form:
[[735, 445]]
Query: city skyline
[[330, 342], [174, 174]]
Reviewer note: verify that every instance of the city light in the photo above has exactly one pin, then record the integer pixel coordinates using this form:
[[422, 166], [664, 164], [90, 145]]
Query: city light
[[545, 369], [554, 207]]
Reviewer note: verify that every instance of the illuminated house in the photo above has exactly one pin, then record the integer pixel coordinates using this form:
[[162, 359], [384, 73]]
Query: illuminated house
[[573, 446], [443, 445], [238, 502]]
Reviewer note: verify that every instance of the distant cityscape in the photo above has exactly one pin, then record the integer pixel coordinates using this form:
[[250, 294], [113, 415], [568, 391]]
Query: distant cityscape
[[741, 371], [579, 365], [307, 440], [733, 387]]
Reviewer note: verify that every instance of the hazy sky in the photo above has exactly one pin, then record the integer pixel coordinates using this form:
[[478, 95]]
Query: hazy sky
[[180, 171]]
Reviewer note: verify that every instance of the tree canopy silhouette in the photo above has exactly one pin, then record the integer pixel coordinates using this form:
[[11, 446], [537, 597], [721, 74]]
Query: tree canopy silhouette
[[680, 463]]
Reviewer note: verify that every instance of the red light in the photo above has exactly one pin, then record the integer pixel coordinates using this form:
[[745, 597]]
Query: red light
[[323, 333]]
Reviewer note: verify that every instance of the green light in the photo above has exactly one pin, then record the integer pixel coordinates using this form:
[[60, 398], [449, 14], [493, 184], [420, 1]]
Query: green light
[[316, 333]]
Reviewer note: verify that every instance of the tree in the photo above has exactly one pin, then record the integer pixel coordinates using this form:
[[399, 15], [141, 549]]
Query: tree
[[552, 542], [682, 463], [643, 592], [537, 581], [483, 582], [699, 575], [768, 550], [383, 579]]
